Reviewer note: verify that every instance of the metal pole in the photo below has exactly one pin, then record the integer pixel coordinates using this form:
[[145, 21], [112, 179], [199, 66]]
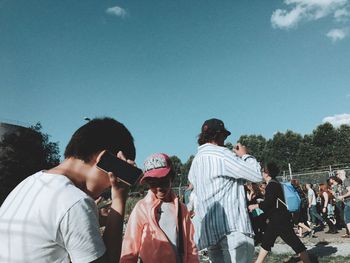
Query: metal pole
[[180, 185], [290, 171]]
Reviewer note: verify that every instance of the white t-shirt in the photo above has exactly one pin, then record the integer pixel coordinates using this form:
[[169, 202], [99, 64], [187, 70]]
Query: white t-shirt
[[47, 219], [167, 222], [311, 195]]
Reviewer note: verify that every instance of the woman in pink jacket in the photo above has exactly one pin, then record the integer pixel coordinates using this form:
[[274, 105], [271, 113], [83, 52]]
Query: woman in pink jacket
[[159, 227]]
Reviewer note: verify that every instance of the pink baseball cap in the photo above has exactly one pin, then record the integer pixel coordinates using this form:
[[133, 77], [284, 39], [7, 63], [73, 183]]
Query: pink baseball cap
[[156, 166]]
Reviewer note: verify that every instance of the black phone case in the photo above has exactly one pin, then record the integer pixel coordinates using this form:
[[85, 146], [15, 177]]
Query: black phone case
[[125, 172]]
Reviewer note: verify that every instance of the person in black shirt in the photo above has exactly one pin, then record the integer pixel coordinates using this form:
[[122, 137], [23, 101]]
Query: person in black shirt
[[280, 220]]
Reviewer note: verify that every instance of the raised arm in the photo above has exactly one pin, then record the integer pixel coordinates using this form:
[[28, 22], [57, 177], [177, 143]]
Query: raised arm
[[113, 232], [243, 165]]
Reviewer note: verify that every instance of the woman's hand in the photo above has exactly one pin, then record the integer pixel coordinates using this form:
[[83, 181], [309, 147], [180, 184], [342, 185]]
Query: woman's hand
[[252, 207]]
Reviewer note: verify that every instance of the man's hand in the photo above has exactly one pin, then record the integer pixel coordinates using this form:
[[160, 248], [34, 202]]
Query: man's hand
[[119, 190], [240, 149]]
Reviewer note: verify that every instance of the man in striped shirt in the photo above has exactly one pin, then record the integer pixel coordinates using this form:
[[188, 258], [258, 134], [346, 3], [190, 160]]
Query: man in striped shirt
[[218, 175]]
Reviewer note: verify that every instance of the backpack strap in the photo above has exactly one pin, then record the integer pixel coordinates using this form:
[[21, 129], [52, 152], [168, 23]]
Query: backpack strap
[[180, 242], [278, 200]]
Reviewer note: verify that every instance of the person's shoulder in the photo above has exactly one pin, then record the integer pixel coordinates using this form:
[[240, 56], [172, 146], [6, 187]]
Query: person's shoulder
[[72, 192], [142, 202], [67, 194], [273, 184], [208, 151], [143, 206], [218, 151]]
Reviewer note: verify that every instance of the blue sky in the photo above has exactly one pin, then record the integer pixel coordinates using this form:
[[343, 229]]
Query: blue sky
[[163, 67]]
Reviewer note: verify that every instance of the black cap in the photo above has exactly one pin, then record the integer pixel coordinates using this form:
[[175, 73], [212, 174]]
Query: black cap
[[215, 125]]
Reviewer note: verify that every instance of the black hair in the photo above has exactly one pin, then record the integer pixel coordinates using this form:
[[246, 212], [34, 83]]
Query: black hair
[[172, 174], [100, 134], [272, 169], [210, 136]]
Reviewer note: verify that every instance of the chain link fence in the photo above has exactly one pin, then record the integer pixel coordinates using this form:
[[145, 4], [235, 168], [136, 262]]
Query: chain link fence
[[313, 177]]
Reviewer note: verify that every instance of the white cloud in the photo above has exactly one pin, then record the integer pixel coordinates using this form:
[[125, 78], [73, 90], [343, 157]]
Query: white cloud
[[284, 19], [116, 11], [308, 10], [338, 120], [342, 15], [337, 34]]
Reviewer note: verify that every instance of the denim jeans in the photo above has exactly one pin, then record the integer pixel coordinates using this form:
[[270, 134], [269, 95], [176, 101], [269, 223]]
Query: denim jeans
[[347, 212], [233, 248], [315, 215]]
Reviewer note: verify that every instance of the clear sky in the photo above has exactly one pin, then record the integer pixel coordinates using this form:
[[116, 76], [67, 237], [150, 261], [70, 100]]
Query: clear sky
[[163, 67]]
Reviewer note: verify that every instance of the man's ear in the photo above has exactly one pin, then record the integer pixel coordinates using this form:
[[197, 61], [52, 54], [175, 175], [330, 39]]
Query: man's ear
[[98, 156]]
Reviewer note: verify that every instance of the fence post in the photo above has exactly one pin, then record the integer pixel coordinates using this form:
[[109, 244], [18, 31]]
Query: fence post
[[290, 171]]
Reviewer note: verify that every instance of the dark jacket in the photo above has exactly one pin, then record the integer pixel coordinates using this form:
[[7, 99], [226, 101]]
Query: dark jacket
[[274, 191]]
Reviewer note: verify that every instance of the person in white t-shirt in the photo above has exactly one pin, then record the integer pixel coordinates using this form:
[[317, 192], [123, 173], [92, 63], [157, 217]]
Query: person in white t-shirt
[[51, 216], [312, 206]]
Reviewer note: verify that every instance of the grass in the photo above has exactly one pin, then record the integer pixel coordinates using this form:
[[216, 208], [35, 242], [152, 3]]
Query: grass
[[288, 258], [285, 258]]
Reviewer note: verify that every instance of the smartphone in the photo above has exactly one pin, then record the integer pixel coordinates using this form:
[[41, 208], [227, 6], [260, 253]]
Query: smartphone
[[125, 172]]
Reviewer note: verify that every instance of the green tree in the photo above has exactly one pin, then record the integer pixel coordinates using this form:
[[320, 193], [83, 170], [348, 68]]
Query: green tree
[[24, 153], [229, 145], [283, 148], [177, 166], [324, 143], [305, 156], [186, 167], [256, 145], [342, 145]]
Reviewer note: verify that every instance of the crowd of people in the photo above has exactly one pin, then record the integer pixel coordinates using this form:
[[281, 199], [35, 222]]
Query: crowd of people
[[233, 204], [321, 205]]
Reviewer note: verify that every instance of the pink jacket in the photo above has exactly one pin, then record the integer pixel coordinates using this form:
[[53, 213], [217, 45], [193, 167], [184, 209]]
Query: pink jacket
[[145, 239]]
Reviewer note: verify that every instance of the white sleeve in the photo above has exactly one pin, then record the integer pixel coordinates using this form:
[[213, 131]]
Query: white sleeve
[[190, 205], [247, 168], [80, 232]]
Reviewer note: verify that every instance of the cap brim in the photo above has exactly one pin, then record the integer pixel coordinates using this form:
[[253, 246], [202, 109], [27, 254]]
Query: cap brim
[[155, 173], [227, 133]]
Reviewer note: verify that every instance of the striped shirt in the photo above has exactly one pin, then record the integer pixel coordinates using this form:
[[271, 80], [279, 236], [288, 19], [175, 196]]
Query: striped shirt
[[218, 178]]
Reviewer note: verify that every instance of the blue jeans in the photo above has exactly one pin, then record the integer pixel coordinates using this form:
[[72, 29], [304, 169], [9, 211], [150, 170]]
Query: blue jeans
[[233, 248], [347, 212], [315, 215]]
